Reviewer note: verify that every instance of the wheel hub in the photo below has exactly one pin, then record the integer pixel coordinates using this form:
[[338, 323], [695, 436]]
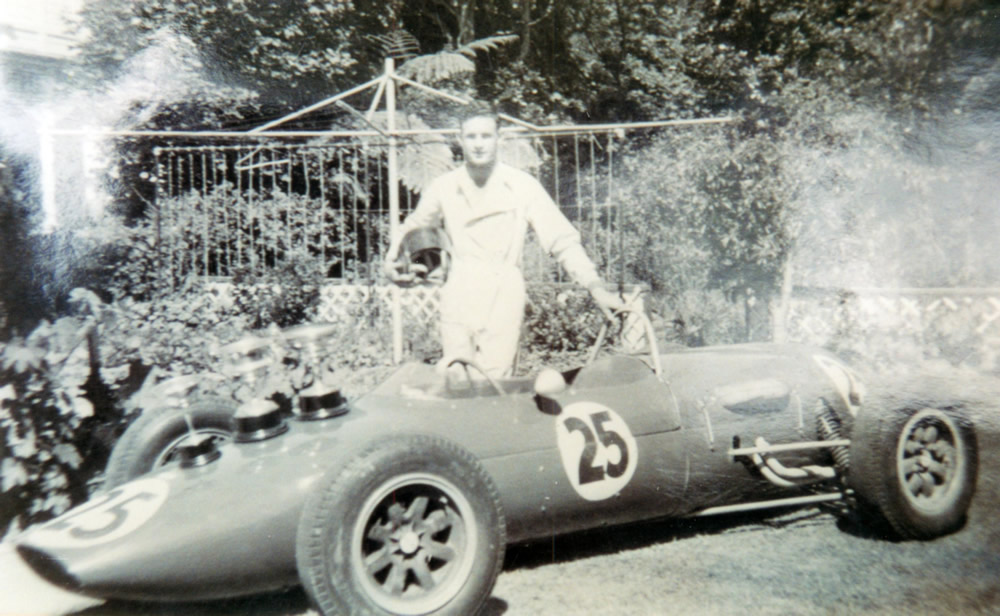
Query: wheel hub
[[172, 452], [414, 545], [409, 542], [925, 460], [928, 461]]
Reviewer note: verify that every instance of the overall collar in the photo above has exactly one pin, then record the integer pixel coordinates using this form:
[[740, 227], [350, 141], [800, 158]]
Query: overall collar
[[500, 178]]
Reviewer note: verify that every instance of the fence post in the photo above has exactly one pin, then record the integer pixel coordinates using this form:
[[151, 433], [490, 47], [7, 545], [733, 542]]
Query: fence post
[[781, 306], [157, 219]]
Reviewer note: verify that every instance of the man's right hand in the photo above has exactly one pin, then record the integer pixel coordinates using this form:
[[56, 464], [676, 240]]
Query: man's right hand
[[396, 271], [404, 274]]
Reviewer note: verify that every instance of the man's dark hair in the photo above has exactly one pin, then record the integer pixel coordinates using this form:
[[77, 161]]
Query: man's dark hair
[[477, 109]]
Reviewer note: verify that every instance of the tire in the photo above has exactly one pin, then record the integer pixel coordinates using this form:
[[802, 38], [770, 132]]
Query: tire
[[154, 439], [424, 515], [916, 468]]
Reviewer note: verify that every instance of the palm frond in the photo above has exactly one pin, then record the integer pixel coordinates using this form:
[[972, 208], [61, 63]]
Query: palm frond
[[486, 44], [398, 44], [520, 153], [421, 157], [435, 67]]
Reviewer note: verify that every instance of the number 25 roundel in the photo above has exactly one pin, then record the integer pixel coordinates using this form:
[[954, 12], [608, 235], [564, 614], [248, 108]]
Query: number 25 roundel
[[106, 518], [597, 448]]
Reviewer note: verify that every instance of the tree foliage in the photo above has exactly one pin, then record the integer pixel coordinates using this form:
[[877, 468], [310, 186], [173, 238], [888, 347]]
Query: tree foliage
[[596, 59], [289, 50], [814, 86]]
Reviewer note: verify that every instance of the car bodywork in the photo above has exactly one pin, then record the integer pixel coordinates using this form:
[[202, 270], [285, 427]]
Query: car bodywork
[[625, 438]]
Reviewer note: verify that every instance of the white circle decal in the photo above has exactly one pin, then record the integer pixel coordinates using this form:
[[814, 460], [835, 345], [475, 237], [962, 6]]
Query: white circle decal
[[109, 517], [598, 450]]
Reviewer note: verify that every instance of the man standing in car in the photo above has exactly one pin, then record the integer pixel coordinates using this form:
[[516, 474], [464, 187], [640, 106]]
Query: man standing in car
[[484, 207]]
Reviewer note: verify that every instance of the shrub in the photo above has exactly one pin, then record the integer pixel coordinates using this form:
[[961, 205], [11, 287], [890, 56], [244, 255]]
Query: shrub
[[287, 294], [559, 320], [41, 474], [54, 408], [176, 333], [698, 318]]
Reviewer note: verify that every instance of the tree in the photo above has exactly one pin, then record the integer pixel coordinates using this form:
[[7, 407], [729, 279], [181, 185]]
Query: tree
[[21, 301], [822, 89], [288, 51]]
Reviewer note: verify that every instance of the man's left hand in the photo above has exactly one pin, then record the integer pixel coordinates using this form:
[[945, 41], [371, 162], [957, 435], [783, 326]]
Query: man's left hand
[[608, 302]]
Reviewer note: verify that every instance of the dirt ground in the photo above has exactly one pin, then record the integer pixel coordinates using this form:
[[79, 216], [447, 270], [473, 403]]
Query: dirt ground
[[805, 561]]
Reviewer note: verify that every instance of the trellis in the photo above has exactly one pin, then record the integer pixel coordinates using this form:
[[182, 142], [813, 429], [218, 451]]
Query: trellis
[[960, 325]]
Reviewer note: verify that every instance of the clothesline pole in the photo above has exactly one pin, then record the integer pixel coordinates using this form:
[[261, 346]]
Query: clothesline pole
[[392, 163]]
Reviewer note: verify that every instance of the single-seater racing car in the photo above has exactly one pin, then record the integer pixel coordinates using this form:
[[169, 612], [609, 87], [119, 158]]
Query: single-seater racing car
[[402, 501]]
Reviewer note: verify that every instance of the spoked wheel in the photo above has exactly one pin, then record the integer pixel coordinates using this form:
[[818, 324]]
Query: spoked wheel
[[931, 461], [413, 544], [411, 526], [917, 468]]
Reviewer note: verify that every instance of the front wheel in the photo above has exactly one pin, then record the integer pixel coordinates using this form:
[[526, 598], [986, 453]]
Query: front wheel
[[411, 526], [916, 467], [156, 438]]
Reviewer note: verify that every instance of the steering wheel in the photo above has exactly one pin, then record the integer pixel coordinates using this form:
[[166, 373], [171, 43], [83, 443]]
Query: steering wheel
[[647, 326], [468, 363]]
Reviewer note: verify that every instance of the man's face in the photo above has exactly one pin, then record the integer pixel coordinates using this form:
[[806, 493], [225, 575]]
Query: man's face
[[479, 141]]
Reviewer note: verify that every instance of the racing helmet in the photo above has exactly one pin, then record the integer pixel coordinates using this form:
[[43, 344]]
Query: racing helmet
[[426, 254]]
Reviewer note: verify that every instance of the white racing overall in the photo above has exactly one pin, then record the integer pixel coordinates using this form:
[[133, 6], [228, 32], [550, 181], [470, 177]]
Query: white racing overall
[[482, 302]]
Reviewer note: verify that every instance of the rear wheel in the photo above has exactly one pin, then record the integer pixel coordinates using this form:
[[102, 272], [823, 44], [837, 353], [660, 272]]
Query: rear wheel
[[411, 526], [155, 439], [917, 468]]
